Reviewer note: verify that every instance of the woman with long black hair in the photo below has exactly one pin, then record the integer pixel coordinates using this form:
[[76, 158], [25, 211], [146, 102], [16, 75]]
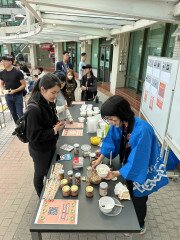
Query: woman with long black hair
[[134, 140], [43, 126]]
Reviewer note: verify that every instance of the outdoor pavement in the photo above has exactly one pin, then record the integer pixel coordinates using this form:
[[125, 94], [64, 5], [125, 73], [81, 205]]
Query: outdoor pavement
[[18, 200]]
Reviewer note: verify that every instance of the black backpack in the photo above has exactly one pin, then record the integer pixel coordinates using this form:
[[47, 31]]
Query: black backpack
[[20, 130]]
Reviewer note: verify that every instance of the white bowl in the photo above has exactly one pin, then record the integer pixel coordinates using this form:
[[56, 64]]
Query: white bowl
[[81, 119], [96, 112], [95, 108], [83, 114], [89, 113], [106, 204], [102, 170]]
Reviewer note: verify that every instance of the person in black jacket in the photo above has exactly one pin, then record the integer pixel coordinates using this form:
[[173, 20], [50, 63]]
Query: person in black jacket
[[88, 84], [43, 126]]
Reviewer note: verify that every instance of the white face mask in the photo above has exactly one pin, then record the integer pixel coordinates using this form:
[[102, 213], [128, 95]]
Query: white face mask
[[70, 77]]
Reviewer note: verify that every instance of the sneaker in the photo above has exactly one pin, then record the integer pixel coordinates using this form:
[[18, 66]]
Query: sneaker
[[143, 230]]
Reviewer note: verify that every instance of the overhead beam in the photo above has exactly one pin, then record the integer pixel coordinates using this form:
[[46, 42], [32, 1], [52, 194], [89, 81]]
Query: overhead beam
[[80, 30], [128, 28], [152, 10], [78, 24], [57, 9], [79, 19]]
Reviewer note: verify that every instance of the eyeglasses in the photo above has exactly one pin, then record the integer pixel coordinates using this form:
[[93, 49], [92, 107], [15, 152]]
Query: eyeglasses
[[110, 120], [106, 120]]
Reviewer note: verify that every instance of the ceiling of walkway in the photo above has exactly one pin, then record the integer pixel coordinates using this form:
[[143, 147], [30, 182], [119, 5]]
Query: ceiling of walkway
[[77, 20]]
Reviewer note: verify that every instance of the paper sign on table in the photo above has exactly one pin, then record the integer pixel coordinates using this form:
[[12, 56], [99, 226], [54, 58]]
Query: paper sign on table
[[67, 147], [74, 125], [78, 102], [72, 133], [58, 211]]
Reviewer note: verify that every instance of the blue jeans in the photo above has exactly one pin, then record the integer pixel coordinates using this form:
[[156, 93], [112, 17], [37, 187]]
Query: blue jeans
[[15, 105]]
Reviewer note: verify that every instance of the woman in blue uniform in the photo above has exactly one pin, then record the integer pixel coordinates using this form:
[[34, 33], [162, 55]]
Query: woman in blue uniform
[[135, 142]]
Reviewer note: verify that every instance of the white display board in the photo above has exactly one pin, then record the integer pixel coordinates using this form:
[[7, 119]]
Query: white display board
[[173, 131], [157, 94]]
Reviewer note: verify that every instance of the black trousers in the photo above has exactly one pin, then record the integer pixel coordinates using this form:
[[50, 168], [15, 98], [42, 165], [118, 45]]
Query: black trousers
[[140, 204], [42, 162]]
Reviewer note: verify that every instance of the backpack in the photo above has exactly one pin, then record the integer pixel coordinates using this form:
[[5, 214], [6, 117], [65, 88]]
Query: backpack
[[20, 130]]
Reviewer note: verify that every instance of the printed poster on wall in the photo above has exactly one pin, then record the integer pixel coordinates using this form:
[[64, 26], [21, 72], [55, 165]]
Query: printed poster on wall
[[161, 92], [149, 67], [145, 96], [166, 72], [151, 103], [154, 87], [156, 69], [147, 83], [58, 211]]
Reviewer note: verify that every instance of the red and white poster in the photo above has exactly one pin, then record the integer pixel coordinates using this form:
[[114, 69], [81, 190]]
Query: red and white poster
[[145, 96], [74, 125], [72, 133], [58, 211], [161, 92], [151, 104]]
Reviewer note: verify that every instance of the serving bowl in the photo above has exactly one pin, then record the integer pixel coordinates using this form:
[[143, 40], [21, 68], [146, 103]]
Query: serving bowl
[[81, 119], [106, 204], [102, 170]]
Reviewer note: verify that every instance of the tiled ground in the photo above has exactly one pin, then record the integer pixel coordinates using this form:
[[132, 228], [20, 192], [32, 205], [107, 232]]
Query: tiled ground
[[18, 200]]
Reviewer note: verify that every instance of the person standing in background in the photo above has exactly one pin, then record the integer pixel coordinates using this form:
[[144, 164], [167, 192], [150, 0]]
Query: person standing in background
[[41, 72], [71, 86], [81, 65], [65, 64], [88, 84], [13, 81]]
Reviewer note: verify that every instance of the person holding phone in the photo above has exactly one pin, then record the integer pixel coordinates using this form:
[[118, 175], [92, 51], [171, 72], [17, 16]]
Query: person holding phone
[[43, 126]]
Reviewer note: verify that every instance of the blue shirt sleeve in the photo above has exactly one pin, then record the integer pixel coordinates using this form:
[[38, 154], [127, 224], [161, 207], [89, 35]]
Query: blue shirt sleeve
[[111, 143]]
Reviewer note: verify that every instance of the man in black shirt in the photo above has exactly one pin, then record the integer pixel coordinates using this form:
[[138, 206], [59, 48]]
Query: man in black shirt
[[12, 84]]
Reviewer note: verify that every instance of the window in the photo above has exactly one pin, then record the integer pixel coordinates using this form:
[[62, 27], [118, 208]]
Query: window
[[94, 51], [134, 59], [8, 3], [170, 41]]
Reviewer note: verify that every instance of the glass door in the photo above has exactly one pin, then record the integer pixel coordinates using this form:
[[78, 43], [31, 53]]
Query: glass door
[[71, 48], [102, 63], [105, 58], [107, 65]]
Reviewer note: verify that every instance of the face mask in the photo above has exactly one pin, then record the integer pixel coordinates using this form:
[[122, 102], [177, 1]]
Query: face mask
[[70, 77]]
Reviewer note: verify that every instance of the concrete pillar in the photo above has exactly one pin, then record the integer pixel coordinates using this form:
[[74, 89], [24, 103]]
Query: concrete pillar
[[58, 49], [119, 63], [86, 47], [33, 55]]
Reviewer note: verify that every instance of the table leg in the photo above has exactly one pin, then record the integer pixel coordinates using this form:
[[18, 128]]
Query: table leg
[[36, 236]]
